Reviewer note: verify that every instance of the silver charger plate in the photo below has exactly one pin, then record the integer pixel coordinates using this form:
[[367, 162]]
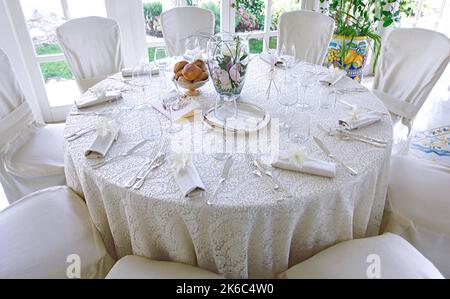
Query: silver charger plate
[[249, 118]]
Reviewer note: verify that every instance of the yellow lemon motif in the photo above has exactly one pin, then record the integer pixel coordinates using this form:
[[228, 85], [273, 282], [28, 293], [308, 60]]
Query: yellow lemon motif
[[350, 57], [358, 61]]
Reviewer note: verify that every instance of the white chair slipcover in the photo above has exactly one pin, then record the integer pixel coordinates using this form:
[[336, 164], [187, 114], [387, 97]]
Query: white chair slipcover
[[349, 259], [31, 155], [419, 208], [411, 62], [182, 22], [40, 231], [92, 49], [136, 267], [309, 31]]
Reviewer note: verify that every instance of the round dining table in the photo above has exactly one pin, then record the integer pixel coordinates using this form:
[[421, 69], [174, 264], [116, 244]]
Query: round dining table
[[248, 232]]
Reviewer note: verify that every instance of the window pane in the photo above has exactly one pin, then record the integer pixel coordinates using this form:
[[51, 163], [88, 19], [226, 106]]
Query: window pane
[[250, 15], [59, 83], [281, 6], [152, 13], [85, 8], [256, 45], [42, 18]]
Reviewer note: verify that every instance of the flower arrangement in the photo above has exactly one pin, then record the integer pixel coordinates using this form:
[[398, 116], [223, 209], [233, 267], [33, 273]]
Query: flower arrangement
[[227, 63], [360, 18]]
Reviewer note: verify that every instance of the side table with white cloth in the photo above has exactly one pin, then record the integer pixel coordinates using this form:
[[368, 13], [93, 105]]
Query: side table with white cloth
[[246, 232]]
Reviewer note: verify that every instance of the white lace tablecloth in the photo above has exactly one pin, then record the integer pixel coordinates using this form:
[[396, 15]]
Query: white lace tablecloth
[[247, 233]]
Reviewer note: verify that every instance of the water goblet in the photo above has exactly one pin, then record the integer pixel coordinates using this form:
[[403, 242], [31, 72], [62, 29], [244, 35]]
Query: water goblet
[[169, 102], [287, 97], [300, 131]]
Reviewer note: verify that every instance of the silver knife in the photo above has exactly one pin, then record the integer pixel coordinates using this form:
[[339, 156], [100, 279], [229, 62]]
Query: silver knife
[[330, 155], [223, 177]]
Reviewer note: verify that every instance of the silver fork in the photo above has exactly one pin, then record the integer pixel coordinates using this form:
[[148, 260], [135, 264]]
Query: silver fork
[[121, 155], [144, 167], [160, 160], [347, 135]]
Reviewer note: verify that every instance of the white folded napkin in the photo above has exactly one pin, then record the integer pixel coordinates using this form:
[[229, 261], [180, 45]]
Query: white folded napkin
[[190, 107], [106, 133], [128, 72], [291, 161], [360, 120], [332, 75], [91, 99], [185, 173]]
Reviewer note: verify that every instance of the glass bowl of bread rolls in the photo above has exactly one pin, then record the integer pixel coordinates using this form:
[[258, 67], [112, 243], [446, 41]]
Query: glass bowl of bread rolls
[[191, 75]]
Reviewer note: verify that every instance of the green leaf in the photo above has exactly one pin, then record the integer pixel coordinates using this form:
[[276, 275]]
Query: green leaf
[[387, 22]]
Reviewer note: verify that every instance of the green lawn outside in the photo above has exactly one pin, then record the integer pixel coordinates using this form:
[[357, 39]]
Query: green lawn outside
[[256, 46], [54, 69], [60, 69]]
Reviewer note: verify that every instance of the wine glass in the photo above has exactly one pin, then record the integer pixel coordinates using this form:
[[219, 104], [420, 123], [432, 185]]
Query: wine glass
[[300, 131], [287, 96], [169, 101], [141, 80], [192, 47], [226, 111], [305, 83], [327, 99], [161, 61]]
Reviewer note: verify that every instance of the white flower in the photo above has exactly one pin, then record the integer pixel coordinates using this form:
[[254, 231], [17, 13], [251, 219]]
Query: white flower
[[179, 161], [355, 112], [104, 128], [229, 50], [297, 155]]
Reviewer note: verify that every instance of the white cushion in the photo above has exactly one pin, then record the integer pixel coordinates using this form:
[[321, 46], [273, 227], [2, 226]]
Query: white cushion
[[40, 231], [41, 155], [135, 267], [398, 259], [419, 207]]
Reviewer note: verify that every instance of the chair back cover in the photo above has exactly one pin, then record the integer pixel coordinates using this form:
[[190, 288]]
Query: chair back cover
[[15, 114], [92, 49], [182, 22], [411, 62], [309, 31], [418, 207]]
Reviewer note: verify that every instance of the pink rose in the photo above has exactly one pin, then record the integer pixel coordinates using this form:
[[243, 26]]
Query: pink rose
[[235, 72], [223, 78]]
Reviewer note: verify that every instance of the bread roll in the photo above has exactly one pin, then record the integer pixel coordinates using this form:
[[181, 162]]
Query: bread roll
[[179, 66], [200, 63], [179, 74], [202, 77], [191, 72]]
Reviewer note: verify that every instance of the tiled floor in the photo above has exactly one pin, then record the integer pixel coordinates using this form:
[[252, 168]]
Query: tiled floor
[[434, 113]]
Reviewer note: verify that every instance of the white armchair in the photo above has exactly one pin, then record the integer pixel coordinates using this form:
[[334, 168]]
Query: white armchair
[[41, 231], [31, 154]]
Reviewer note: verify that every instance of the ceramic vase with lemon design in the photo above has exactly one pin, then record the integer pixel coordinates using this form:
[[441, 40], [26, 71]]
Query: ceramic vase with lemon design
[[349, 54]]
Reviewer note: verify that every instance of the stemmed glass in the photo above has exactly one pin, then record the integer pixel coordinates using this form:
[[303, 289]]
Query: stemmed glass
[[226, 111], [289, 59], [306, 82], [169, 102], [141, 80], [161, 61], [192, 47], [287, 96], [300, 131]]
